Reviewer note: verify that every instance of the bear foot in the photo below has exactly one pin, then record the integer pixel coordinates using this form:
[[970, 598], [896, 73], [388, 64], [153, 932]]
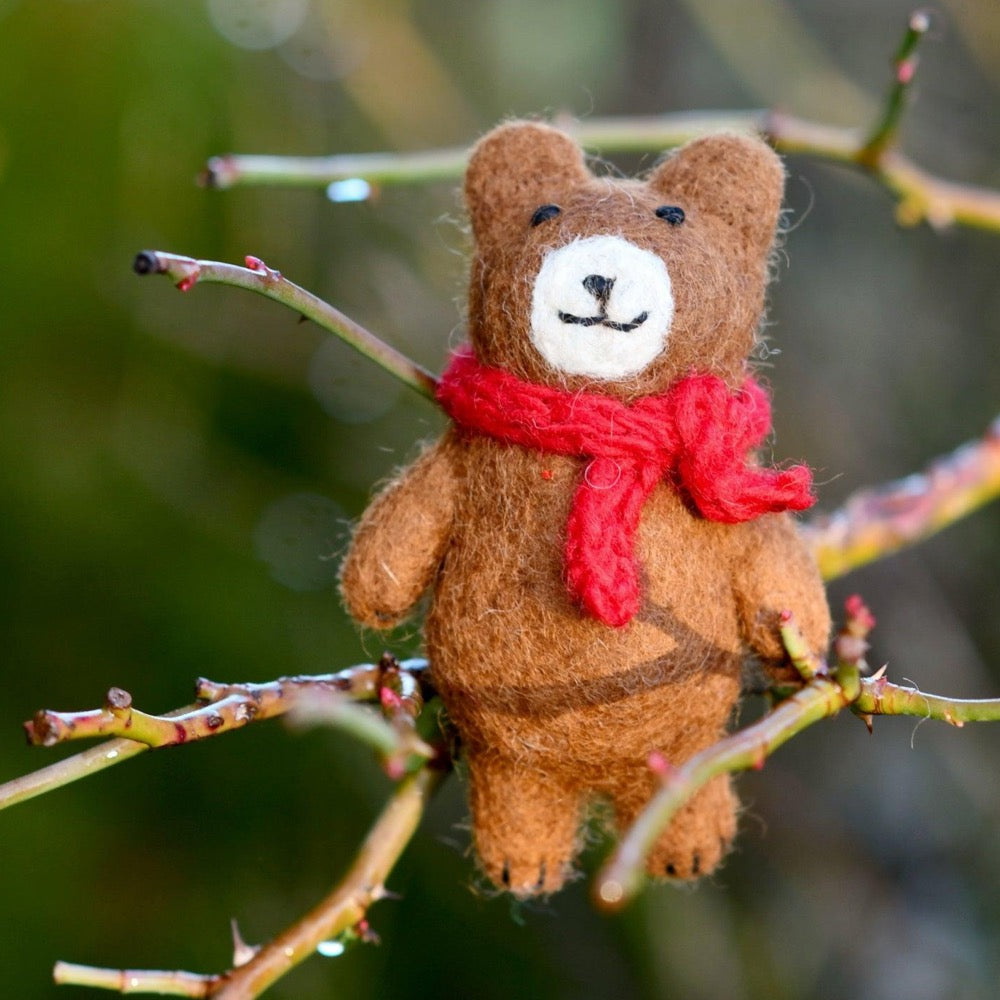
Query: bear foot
[[524, 827]]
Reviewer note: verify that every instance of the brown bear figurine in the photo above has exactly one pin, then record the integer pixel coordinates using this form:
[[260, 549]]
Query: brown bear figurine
[[601, 547]]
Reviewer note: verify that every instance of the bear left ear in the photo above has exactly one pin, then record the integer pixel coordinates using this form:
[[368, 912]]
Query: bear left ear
[[737, 179], [516, 169]]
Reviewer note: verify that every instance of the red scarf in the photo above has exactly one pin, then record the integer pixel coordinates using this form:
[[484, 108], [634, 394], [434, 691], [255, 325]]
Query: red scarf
[[697, 436]]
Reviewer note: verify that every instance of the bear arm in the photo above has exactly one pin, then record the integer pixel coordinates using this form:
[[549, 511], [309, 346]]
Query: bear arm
[[774, 572], [400, 540]]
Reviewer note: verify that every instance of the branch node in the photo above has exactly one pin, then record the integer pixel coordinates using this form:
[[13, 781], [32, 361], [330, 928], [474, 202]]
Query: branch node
[[147, 262], [256, 264], [220, 172], [118, 701]]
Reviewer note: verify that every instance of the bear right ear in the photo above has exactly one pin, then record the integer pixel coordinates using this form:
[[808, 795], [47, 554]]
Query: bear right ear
[[516, 169], [737, 179]]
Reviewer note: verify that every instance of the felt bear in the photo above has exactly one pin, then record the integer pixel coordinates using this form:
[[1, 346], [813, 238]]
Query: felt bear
[[601, 547]]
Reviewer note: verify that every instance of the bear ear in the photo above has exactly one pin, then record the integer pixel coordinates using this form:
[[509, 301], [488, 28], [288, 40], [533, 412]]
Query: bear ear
[[515, 169], [737, 179]]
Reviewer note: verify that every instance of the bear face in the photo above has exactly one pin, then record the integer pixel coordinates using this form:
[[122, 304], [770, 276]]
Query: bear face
[[613, 286]]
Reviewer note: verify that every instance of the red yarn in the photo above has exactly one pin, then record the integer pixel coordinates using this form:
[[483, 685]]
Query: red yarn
[[697, 435]]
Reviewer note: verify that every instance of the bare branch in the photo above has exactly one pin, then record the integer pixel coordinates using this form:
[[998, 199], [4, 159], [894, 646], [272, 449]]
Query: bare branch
[[257, 277], [349, 902], [222, 708], [174, 984], [64, 772], [876, 522], [921, 195], [344, 908], [805, 661], [821, 697], [879, 697]]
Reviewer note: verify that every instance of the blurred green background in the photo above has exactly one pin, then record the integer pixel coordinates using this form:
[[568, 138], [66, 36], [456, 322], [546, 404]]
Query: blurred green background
[[177, 473]]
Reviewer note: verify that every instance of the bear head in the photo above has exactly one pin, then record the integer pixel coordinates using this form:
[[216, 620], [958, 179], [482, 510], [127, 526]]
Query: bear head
[[618, 286]]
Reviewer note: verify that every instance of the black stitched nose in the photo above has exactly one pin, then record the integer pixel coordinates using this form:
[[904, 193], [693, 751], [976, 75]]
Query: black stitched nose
[[599, 286]]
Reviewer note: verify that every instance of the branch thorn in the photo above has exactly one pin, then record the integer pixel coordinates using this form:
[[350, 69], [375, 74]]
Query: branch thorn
[[242, 952]]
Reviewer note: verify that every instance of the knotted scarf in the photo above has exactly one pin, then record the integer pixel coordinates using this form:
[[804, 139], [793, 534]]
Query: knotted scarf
[[696, 436]]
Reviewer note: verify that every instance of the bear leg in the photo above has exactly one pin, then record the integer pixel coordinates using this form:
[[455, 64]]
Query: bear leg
[[524, 824], [698, 837]]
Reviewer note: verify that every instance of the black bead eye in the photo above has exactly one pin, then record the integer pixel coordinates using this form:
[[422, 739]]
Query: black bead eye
[[673, 214], [544, 213]]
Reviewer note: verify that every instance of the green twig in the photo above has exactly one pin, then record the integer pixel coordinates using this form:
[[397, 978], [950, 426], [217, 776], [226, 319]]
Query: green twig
[[257, 277], [348, 903], [622, 876], [879, 697], [821, 697], [904, 66], [344, 908], [65, 772], [804, 659], [921, 195], [393, 742]]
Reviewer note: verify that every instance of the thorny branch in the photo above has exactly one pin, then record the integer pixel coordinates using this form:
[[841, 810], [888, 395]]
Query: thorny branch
[[825, 693], [336, 916], [397, 686], [257, 277], [921, 196]]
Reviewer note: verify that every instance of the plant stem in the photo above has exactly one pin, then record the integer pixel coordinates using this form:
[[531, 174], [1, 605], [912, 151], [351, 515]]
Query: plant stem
[[904, 70], [64, 772], [879, 697], [178, 984], [257, 277], [622, 876], [921, 195], [805, 661], [341, 910], [878, 521], [234, 704], [348, 903]]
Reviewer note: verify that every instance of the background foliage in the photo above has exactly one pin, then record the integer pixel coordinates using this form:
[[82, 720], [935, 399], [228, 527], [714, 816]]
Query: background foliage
[[176, 475]]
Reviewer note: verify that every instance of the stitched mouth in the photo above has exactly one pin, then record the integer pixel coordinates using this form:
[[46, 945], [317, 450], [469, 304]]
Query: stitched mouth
[[603, 320]]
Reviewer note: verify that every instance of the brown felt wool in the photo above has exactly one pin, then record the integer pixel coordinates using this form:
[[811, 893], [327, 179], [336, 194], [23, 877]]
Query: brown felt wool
[[555, 708]]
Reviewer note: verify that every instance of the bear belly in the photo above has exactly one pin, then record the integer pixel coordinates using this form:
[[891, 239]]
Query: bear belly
[[560, 685]]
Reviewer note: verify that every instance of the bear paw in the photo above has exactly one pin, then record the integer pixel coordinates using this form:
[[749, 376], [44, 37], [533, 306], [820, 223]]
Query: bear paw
[[524, 826], [525, 876]]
